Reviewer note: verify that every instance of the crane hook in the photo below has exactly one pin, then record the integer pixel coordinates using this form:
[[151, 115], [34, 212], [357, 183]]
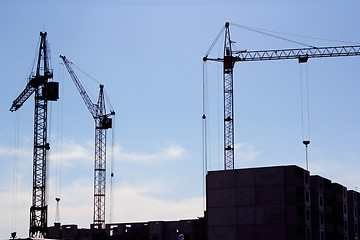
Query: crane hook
[[306, 143]]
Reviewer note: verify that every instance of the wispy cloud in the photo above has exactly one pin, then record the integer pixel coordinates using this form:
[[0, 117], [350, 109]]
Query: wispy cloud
[[72, 153], [150, 198], [169, 153], [336, 171], [135, 203], [15, 211], [246, 152], [20, 152], [129, 203]]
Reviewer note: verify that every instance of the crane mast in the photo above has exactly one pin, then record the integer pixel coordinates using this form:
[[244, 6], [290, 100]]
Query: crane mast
[[44, 91], [228, 104], [231, 57], [100, 160], [102, 123]]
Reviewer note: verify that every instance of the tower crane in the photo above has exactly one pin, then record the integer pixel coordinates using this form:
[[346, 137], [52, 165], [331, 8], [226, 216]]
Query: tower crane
[[102, 123], [230, 57], [44, 91]]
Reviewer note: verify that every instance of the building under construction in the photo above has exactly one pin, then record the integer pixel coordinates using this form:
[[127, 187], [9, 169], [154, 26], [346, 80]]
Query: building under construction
[[272, 203]]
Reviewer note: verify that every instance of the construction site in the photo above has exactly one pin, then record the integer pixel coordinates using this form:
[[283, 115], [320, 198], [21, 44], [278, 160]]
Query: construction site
[[283, 202]]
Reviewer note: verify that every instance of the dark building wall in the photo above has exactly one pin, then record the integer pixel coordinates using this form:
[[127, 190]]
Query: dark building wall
[[55, 231], [194, 229], [259, 203], [330, 210], [340, 216], [69, 232], [317, 207], [277, 203], [353, 214]]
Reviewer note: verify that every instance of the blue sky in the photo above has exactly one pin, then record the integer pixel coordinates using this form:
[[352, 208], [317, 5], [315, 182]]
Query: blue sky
[[149, 57]]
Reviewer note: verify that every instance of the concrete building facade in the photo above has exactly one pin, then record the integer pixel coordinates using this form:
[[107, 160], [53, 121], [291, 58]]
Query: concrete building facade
[[353, 214], [259, 203], [279, 203], [267, 203], [153, 230]]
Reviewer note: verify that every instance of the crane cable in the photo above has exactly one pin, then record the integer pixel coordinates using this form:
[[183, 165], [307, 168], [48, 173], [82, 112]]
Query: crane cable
[[32, 71], [205, 122], [82, 82], [204, 129], [15, 175], [59, 142], [271, 35], [16, 152], [262, 31], [108, 101], [88, 75], [49, 156], [112, 166], [305, 123], [219, 93], [96, 81], [214, 42]]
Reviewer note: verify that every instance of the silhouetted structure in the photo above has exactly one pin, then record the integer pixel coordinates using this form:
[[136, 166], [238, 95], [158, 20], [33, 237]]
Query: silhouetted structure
[[267, 203], [230, 57], [354, 220], [44, 90], [103, 122], [279, 203], [154, 230]]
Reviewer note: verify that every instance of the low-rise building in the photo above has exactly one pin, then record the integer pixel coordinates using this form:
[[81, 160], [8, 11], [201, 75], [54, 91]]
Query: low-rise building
[[272, 203]]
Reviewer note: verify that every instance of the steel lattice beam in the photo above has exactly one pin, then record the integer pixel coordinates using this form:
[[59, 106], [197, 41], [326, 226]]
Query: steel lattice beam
[[301, 53], [229, 59], [38, 210], [102, 123], [100, 176], [100, 161], [228, 105], [39, 84]]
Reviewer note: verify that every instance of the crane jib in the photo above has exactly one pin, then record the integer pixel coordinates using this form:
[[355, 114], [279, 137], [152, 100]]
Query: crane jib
[[44, 91], [296, 53], [102, 123], [229, 59], [263, 55]]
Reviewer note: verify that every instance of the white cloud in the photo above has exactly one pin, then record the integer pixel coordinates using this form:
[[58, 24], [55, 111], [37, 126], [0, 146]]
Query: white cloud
[[130, 203], [20, 152], [169, 153], [336, 171], [148, 199], [76, 203], [246, 152], [134, 203], [15, 212], [72, 153]]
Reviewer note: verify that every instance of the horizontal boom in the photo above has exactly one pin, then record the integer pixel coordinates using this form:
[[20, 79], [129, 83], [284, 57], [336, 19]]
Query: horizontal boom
[[302, 54]]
